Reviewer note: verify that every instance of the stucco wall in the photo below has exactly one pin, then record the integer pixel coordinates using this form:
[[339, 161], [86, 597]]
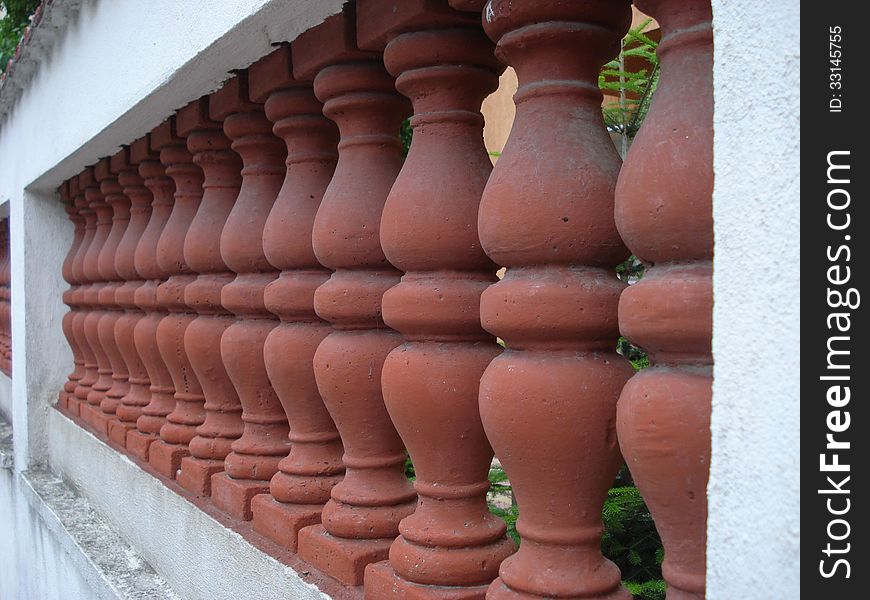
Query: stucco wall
[[33, 564], [5, 397], [754, 508]]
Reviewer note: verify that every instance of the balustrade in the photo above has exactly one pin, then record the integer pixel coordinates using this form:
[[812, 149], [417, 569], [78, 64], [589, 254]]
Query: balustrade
[[361, 519], [664, 213], [222, 424], [548, 402], [305, 477], [126, 164], [268, 303], [444, 64], [161, 389], [255, 455]]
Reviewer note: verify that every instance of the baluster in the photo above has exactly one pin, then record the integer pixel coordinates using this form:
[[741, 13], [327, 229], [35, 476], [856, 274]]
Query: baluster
[[97, 298], [664, 213], [68, 192], [126, 164], [221, 168], [300, 488], [362, 516], [187, 411], [548, 402], [255, 455], [162, 389], [120, 205], [444, 63], [81, 295]]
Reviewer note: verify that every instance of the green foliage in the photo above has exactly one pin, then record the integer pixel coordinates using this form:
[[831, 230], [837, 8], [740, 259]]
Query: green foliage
[[635, 88], [635, 354], [630, 270], [16, 18], [410, 473], [654, 589], [500, 486], [630, 538], [509, 516], [406, 133]]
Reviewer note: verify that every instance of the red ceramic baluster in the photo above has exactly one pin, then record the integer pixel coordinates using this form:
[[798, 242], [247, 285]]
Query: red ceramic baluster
[[444, 64], [548, 402], [202, 339], [306, 476], [162, 388], [664, 213], [97, 299], [68, 192], [120, 204], [361, 519], [81, 295], [255, 456], [187, 412], [126, 164]]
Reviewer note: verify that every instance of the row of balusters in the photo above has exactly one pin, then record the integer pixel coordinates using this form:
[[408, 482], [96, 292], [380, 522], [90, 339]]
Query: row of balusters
[[5, 301], [270, 306]]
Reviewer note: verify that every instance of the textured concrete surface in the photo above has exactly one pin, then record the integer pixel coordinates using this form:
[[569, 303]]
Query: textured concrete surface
[[53, 545], [198, 556], [111, 566], [7, 455], [754, 507]]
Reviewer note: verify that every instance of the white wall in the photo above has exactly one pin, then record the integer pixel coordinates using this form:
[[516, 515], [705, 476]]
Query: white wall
[[754, 508], [5, 398]]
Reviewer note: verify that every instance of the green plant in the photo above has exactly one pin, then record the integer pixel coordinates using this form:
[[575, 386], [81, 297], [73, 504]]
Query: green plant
[[636, 355], [630, 538], [406, 134], [630, 270], [16, 16], [654, 589], [634, 88]]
